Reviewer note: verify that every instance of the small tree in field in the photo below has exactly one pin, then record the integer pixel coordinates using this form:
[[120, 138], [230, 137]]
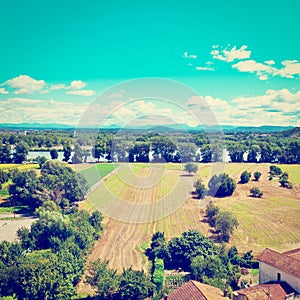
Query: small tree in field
[[256, 192], [221, 185], [191, 167], [245, 177], [257, 175], [225, 224], [200, 189]]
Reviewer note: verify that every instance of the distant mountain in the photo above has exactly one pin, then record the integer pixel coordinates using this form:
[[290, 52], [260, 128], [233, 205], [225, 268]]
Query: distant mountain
[[294, 132], [158, 128], [26, 126]]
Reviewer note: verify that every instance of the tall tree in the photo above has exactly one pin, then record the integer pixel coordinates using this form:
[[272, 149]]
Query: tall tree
[[67, 152], [53, 154], [21, 152]]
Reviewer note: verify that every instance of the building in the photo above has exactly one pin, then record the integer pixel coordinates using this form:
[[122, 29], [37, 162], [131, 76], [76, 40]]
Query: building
[[280, 267], [194, 290], [266, 291]]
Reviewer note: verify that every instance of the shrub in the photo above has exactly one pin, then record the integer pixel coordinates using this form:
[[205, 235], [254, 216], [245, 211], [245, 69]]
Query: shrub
[[245, 177], [257, 175], [200, 189], [256, 192], [275, 170], [158, 273], [222, 185]]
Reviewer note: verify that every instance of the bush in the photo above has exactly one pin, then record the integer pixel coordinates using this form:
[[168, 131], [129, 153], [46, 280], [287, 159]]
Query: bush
[[191, 167], [257, 175], [200, 189], [275, 170], [158, 273], [256, 192], [245, 177], [222, 185], [211, 211]]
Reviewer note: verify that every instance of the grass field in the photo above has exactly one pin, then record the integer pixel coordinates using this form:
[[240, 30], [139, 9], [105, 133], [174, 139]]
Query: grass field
[[18, 166], [96, 172]]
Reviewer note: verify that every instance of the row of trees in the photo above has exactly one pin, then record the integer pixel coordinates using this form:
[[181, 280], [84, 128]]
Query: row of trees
[[160, 147]]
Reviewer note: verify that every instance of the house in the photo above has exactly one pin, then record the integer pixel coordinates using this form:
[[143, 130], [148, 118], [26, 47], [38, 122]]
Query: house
[[194, 290], [266, 291], [280, 267]]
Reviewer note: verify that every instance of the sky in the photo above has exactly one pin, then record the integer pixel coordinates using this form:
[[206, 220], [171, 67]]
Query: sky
[[87, 62]]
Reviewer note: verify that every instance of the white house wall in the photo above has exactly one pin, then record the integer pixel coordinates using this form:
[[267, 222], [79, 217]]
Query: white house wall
[[268, 273]]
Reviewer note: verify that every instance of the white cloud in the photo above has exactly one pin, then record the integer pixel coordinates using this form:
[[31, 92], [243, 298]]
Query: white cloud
[[251, 66], [18, 110], [291, 68], [204, 69], [187, 55], [230, 55], [59, 86], [25, 84], [3, 91], [85, 93], [77, 85], [270, 62]]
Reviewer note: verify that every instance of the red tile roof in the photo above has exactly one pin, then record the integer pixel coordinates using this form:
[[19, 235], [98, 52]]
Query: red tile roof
[[194, 290], [293, 253], [280, 261], [270, 291]]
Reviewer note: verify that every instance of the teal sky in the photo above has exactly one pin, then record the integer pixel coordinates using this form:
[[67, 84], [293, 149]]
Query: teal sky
[[243, 59]]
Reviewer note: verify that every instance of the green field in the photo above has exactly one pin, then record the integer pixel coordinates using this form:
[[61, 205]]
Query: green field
[[18, 166], [97, 172]]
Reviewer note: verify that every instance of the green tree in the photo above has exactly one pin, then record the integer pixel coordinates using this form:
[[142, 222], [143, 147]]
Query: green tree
[[191, 167], [53, 154], [211, 211], [226, 222], [41, 160], [134, 285], [21, 152], [67, 152], [256, 192], [221, 185], [5, 153], [102, 279], [257, 175], [245, 177], [200, 189], [78, 154]]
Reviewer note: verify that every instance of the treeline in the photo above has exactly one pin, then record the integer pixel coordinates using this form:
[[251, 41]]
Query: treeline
[[136, 146]]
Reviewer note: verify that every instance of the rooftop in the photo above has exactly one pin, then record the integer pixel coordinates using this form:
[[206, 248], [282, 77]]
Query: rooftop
[[267, 291], [281, 261], [194, 290]]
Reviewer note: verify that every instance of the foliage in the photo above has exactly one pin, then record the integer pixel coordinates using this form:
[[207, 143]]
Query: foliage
[[53, 154], [275, 171], [284, 182], [256, 192], [157, 245], [191, 167], [211, 211], [78, 154], [225, 222], [158, 273], [221, 185], [200, 189], [57, 182], [67, 152], [21, 152], [245, 177], [134, 285], [179, 251], [102, 279], [257, 175]]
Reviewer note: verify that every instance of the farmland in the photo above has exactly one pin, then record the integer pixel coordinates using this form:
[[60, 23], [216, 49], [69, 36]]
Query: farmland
[[267, 222]]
